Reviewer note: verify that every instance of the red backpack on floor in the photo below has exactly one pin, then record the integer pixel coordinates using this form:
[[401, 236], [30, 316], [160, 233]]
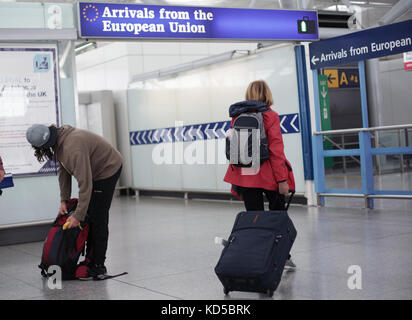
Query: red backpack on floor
[[64, 247]]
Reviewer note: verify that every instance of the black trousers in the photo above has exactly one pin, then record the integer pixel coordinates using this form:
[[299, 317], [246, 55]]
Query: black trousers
[[98, 218], [253, 199]]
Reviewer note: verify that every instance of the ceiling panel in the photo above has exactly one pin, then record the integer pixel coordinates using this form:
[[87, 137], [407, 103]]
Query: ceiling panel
[[286, 4]]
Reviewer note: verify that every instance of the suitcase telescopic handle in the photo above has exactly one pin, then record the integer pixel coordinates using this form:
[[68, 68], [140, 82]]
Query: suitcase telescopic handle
[[292, 193]]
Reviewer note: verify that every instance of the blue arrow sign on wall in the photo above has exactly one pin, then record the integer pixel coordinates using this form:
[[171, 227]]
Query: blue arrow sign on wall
[[289, 123]]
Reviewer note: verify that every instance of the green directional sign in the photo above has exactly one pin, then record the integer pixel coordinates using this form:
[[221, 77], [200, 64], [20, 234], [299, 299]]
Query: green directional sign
[[325, 115]]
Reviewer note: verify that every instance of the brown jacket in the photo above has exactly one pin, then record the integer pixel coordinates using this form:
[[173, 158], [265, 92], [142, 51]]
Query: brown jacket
[[87, 157]]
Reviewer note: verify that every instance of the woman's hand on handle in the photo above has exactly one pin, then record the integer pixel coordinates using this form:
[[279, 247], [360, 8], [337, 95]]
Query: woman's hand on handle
[[283, 188]]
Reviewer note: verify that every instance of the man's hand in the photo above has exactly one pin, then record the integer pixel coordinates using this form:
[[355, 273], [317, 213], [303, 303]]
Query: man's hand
[[73, 222], [284, 188], [63, 208], [2, 174]]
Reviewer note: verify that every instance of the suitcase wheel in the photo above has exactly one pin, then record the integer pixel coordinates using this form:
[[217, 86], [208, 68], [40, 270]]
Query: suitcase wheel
[[226, 290]]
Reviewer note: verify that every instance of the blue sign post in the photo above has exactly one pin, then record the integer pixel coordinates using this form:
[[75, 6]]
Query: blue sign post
[[113, 20], [372, 43]]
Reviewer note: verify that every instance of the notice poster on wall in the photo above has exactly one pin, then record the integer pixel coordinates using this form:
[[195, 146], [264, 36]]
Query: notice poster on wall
[[407, 60], [28, 95]]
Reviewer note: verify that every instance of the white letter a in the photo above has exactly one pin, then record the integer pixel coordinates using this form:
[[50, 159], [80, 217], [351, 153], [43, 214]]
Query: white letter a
[[355, 280], [106, 12]]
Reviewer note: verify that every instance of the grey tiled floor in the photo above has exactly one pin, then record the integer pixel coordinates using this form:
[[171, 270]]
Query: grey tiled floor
[[167, 246]]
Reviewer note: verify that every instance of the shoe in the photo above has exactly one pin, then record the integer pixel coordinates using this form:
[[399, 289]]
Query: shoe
[[290, 265], [94, 272]]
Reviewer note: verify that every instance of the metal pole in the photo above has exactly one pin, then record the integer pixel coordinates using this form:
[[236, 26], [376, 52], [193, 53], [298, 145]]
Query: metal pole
[[317, 144], [356, 130], [366, 166], [401, 156], [365, 140], [343, 158], [364, 102], [378, 157], [407, 145], [375, 100]]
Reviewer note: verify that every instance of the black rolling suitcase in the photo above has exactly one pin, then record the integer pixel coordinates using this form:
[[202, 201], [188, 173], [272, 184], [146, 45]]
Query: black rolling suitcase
[[256, 251]]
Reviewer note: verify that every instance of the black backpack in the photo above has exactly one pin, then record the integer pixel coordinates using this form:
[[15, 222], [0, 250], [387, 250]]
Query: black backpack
[[64, 247], [247, 144]]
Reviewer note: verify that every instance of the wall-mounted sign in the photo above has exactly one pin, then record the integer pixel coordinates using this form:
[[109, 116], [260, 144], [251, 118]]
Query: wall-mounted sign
[[372, 43], [289, 123], [113, 20], [407, 60], [29, 93], [325, 120], [342, 78]]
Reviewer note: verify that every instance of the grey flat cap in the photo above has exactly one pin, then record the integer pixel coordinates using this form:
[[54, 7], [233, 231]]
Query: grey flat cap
[[41, 136]]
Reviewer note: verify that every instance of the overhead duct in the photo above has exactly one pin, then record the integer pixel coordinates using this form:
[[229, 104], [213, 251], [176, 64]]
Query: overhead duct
[[170, 71], [305, 4], [354, 20], [397, 11], [85, 46], [331, 19], [296, 4], [288, 4]]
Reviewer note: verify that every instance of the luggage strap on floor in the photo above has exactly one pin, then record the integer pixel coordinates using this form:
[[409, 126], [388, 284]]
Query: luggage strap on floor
[[111, 277]]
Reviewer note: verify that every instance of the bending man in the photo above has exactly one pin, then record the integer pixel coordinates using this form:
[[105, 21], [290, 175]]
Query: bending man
[[96, 166]]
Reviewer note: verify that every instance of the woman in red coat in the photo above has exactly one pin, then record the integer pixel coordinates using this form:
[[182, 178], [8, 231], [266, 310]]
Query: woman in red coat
[[274, 177]]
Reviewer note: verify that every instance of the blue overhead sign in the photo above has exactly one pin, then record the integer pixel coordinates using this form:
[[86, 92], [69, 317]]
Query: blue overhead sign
[[113, 20], [372, 43]]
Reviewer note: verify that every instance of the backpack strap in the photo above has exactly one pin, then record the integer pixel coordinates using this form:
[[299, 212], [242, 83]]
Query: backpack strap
[[260, 110], [43, 269], [266, 109]]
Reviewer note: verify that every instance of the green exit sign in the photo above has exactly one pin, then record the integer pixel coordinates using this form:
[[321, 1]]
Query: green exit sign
[[325, 120], [306, 25]]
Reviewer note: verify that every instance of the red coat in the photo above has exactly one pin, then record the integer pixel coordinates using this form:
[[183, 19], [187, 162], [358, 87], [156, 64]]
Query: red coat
[[272, 171]]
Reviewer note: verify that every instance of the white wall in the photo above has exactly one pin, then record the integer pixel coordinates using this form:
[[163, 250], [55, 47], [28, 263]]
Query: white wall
[[112, 65], [203, 96], [394, 106], [396, 86]]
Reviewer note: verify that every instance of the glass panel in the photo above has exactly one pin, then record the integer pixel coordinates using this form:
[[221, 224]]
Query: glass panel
[[339, 97], [391, 175], [389, 87], [345, 173], [393, 163]]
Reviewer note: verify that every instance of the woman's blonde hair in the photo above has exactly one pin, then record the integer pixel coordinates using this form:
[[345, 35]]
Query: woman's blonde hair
[[259, 91]]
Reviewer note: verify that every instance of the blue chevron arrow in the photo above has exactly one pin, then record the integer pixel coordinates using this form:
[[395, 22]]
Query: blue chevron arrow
[[289, 123]]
